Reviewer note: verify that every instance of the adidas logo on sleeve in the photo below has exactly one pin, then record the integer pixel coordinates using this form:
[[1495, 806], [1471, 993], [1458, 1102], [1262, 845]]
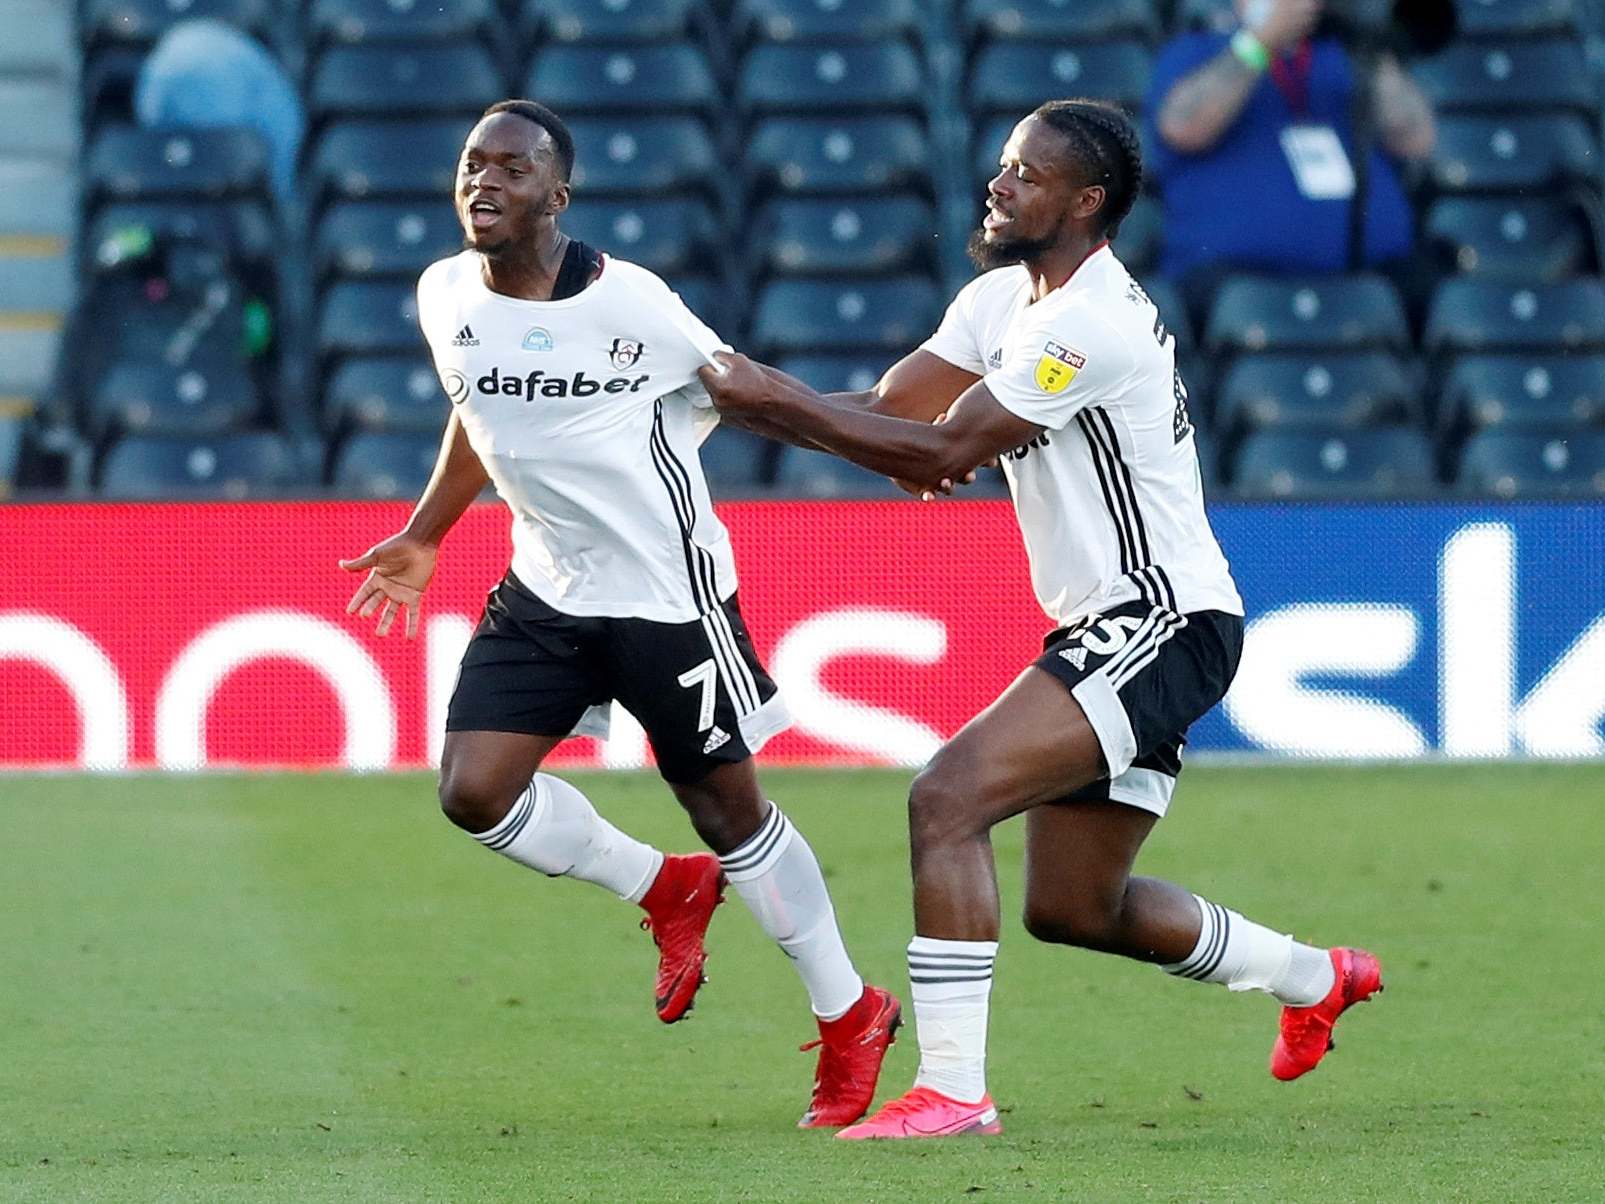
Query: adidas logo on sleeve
[[465, 338]]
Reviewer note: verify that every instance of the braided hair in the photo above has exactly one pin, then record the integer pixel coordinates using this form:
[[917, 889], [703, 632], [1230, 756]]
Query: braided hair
[[1103, 140]]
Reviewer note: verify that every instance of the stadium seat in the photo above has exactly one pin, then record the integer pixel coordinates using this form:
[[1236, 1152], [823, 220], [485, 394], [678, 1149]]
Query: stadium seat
[[846, 235], [838, 373], [51, 128], [154, 398], [1512, 238], [356, 22], [384, 464], [1523, 392], [1314, 392], [837, 315], [817, 474], [837, 154], [28, 359], [705, 296], [140, 22], [1387, 462], [23, 182], [737, 461], [385, 238], [1507, 77], [388, 393], [1060, 20], [645, 156], [243, 465], [388, 81], [609, 21], [1510, 153], [1173, 311], [1012, 78], [1137, 243], [1518, 18], [1533, 464], [1304, 314], [131, 163], [1486, 315], [241, 230], [37, 37], [369, 317], [671, 77], [34, 284], [846, 76], [826, 20], [666, 236], [368, 158]]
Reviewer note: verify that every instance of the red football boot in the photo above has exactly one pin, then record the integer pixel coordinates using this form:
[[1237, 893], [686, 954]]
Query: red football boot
[[851, 1050], [1306, 1034], [678, 906], [922, 1112]]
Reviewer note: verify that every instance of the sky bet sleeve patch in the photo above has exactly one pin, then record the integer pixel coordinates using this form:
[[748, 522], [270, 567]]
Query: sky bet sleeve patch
[[1058, 367]]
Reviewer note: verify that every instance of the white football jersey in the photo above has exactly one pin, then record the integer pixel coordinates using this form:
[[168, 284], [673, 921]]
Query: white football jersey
[[1108, 496], [587, 414]]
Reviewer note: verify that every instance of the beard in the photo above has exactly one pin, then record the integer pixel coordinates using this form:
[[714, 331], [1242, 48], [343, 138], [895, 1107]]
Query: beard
[[987, 254]]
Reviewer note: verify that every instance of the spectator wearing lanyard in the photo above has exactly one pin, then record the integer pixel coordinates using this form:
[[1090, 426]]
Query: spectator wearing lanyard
[[1250, 138]]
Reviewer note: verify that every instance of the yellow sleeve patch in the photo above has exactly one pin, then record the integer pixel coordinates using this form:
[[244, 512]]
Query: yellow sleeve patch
[[1058, 366]]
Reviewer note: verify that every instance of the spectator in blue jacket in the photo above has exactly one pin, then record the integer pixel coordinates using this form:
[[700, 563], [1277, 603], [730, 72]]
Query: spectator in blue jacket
[[1250, 137]]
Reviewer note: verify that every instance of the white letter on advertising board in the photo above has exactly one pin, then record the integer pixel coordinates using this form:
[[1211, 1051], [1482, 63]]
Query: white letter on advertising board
[[87, 672], [370, 718], [1477, 640]]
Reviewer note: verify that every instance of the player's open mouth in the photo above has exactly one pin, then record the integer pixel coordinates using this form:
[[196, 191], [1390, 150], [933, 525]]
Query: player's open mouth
[[483, 214], [994, 218]]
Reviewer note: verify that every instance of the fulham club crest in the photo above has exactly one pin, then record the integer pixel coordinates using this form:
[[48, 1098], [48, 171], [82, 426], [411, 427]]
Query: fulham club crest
[[624, 353]]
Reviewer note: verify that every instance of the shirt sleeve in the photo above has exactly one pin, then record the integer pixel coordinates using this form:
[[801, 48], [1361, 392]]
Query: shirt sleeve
[[1058, 367], [955, 339], [667, 305]]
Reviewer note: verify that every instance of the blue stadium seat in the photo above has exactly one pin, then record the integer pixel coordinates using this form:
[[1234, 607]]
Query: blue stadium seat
[[1061, 20], [1137, 243], [242, 230], [705, 296], [846, 235], [386, 393], [817, 474], [132, 163], [666, 236], [858, 76], [1511, 153], [610, 21], [1511, 238], [644, 156], [1012, 78], [1305, 314], [838, 373], [369, 317], [358, 22], [1523, 392], [389, 81], [208, 397], [1173, 311], [663, 78], [1508, 78], [1519, 18], [841, 315], [1487, 315], [1533, 464], [140, 22], [827, 20], [384, 464], [385, 238], [372, 158], [1387, 462], [837, 154], [243, 465], [1315, 392], [737, 462]]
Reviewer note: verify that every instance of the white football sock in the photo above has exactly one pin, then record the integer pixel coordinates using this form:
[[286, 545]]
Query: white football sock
[[777, 876], [553, 828], [1249, 957], [951, 982]]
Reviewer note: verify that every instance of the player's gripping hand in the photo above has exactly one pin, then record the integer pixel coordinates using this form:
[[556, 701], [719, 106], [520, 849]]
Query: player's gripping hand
[[399, 570], [735, 383], [924, 492]]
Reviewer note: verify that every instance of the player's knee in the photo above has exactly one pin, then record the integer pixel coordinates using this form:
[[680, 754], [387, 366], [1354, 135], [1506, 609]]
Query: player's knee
[[939, 805], [471, 803], [1086, 925]]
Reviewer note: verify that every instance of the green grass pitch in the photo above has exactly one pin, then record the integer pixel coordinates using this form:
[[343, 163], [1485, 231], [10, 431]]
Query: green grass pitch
[[311, 988]]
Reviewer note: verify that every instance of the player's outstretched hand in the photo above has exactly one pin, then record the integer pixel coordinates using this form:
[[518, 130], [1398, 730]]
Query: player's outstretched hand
[[399, 570], [924, 492], [735, 383]]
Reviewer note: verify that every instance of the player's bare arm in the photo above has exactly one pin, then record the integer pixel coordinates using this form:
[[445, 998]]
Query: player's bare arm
[[399, 568], [928, 454]]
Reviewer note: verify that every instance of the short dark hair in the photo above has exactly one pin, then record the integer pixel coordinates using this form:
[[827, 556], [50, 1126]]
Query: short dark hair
[[533, 110], [1104, 141]]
